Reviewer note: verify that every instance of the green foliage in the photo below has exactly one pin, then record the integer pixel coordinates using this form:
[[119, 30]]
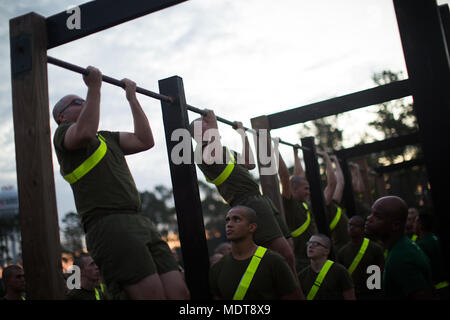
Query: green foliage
[[394, 118], [328, 136], [73, 232]]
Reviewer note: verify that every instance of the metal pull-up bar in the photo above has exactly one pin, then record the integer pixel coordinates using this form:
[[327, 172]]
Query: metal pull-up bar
[[75, 68], [151, 94]]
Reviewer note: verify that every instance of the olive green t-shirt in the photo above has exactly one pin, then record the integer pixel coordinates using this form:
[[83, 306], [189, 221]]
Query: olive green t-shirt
[[373, 256], [83, 294], [109, 186], [430, 245], [336, 281], [272, 280], [80, 294], [296, 216], [406, 270], [339, 235], [239, 185]]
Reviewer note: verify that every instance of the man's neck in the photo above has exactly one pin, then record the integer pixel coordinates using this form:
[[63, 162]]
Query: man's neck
[[243, 249], [357, 240], [389, 242], [88, 285], [12, 295], [317, 263]]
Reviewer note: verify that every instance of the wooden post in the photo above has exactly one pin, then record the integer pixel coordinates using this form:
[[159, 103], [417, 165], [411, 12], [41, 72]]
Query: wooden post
[[312, 171], [427, 62], [270, 184], [36, 186], [186, 194]]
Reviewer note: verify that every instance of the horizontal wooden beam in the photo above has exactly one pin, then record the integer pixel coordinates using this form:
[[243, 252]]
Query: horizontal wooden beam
[[99, 15], [377, 95], [378, 146], [399, 166]]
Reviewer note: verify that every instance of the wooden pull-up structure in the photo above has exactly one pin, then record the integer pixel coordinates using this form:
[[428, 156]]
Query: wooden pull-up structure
[[421, 24], [425, 32]]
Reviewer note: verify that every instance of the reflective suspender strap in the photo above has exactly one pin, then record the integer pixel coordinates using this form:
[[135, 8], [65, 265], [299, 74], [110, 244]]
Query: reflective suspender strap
[[336, 218], [88, 164], [247, 278], [313, 291], [97, 293], [304, 226], [359, 256], [441, 285], [225, 173]]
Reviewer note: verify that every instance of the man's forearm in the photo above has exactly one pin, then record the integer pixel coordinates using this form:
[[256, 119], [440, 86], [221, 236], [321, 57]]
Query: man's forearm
[[88, 121], [142, 129]]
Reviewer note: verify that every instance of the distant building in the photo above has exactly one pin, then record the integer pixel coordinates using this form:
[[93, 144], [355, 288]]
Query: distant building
[[10, 238]]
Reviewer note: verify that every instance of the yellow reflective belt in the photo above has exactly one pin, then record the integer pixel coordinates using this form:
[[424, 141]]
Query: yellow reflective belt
[[225, 173], [336, 218], [88, 164], [441, 285], [249, 273], [312, 293], [359, 256], [97, 293], [305, 225], [414, 237]]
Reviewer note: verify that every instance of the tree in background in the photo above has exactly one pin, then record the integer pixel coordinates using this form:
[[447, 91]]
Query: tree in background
[[393, 118], [397, 118], [328, 136], [73, 233]]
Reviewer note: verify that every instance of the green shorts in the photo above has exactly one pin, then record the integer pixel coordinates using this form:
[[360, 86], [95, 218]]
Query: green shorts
[[127, 248], [270, 223]]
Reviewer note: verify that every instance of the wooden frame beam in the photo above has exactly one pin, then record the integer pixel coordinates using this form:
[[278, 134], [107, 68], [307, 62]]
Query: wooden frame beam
[[100, 15], [380, 94], [399, 166], [378, 146]]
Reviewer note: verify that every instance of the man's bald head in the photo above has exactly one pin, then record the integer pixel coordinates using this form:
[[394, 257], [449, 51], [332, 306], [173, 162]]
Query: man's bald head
[[395, 207], [388, 218], [63, 102]]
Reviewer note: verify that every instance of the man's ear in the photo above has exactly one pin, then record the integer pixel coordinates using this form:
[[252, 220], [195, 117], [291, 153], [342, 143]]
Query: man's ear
[[252, 227], [397, 226], [60, 118]]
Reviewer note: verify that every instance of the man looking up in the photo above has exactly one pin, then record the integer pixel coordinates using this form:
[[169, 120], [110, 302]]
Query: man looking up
[[358, 255], [325, 279], [230, 277], [407, 271]]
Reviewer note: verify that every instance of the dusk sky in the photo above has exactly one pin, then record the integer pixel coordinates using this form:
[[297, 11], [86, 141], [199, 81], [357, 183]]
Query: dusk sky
[[242, 59]]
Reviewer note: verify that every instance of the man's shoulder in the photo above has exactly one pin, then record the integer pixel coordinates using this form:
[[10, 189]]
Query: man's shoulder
[[338, 268], [406, 252]]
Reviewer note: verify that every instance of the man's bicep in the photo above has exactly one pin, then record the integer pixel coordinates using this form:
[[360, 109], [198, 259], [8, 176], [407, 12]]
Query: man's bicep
[[129, 143]]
